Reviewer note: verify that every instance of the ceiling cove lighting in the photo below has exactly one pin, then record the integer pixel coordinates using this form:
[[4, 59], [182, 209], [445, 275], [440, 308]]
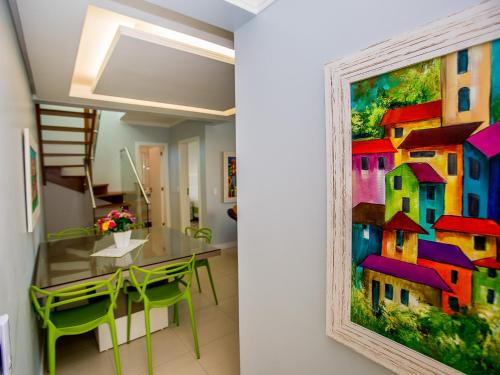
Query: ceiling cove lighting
[[102, 30]]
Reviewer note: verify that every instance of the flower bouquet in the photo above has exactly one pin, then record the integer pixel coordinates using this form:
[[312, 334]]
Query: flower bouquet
[[118, 223]]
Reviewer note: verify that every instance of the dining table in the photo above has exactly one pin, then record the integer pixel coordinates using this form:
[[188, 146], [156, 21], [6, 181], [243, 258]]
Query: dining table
[[73, 261]]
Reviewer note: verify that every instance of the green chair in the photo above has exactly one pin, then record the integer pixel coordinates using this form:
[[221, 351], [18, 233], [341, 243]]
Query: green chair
[[190, 231], [204, 234], [161, 287], [75, 320], [70, 233]]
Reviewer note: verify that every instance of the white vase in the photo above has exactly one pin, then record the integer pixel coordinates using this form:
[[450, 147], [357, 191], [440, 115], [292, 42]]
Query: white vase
[[122, 239]]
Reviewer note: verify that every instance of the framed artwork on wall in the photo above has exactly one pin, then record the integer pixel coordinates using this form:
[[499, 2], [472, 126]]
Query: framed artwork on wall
[[413, 157], [229, 176], [32, 182]]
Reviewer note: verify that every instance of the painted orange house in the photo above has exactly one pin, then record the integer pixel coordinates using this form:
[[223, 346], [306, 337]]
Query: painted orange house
[[477, 238], [453, 267], [442, 148], [399, 122]]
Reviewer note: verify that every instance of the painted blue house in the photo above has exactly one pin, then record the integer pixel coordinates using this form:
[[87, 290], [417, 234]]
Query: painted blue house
[[481, 180], [367, 222]]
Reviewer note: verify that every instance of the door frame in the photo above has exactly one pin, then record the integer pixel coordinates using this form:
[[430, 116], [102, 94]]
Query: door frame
[[167, 219], [184, 143]]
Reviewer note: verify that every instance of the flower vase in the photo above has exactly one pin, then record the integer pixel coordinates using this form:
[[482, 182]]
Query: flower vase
[[122, 239]]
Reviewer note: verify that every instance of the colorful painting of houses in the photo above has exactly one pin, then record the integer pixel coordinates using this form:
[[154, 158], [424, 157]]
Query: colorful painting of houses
[[426, 207]]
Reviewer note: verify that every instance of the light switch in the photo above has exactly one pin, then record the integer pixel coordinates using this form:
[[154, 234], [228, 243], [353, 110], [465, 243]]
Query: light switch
[[5, 358]]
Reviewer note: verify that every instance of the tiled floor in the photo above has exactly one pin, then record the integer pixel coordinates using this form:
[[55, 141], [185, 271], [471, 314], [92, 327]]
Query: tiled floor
[[173, 351]]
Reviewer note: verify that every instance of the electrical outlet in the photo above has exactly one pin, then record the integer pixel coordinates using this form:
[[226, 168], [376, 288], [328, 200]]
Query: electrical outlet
[[5, 358]]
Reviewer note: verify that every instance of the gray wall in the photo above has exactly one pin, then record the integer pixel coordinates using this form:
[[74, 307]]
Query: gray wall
[[218, 138], [282, 173], [18, 248]]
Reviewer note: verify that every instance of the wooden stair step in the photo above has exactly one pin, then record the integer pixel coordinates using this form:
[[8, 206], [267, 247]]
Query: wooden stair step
[[52, 154], [111, 205], [65, 166], [111, 194], [55, 112], [100, 189], [66, 142], [56, 128]]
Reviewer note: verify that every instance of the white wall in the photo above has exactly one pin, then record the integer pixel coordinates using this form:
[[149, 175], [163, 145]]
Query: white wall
[[114, 135], [282, 173], [218, 138], [18, 248]]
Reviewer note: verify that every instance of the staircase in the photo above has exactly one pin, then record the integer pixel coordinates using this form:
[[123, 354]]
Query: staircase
[[67, 141]]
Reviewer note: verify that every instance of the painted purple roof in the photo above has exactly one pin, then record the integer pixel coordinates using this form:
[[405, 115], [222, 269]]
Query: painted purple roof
[[404, 270], [487, 140], [425, 173], [444, 253]]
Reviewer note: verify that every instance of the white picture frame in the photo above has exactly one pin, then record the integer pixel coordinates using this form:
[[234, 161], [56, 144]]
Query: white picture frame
[[31, 180], [229, 189], [461, 30]]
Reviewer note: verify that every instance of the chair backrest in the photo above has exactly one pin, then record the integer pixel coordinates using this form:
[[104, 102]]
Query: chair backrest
[[76, 293], [190, 231], [70, 233], [178, 271], [204, 234]]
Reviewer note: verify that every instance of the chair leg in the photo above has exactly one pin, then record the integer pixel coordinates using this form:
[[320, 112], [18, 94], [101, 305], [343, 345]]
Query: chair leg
[[129, 317], [116, 353], [176, 314], [51, 351], [148, 339], [197, 278], [193, 324], [212, 283]]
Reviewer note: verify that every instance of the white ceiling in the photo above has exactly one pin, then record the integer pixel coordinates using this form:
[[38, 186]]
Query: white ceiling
[[134, 68]]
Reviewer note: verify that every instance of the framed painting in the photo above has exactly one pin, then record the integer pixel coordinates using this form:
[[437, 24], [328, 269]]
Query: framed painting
[[229, 177], [413, 158], [32, 183]]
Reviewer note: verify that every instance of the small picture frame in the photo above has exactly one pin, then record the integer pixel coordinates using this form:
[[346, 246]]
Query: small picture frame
[[229, 177], [32, 180]]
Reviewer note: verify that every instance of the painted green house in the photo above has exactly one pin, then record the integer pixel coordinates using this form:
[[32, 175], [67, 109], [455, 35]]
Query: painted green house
[[417, 190], [485, 285]]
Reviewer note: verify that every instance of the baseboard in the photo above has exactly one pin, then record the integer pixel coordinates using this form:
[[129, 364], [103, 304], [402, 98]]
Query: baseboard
[[226, 245]]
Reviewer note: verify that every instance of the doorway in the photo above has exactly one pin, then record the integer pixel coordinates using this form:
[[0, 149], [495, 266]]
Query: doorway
[[190, 183], [152, 167]]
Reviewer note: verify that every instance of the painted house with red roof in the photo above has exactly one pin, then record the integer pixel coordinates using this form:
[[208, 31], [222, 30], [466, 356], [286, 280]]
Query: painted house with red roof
[[399, 122], [486, 288], [477, 238], [442, 148], [417, 190], [454, 267], [371, 160], [481, 181]]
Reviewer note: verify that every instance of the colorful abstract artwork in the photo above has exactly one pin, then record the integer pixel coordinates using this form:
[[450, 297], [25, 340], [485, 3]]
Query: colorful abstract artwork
[[426, 207], [32, 187], [229, 166]]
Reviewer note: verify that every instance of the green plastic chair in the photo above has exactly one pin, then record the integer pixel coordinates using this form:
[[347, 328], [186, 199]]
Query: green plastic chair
[[190, 231], [204, 234], [101, 297], [70, 233], [160, 287]]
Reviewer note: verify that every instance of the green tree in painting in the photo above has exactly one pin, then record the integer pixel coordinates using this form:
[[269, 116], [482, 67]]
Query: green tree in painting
[[419, 83]]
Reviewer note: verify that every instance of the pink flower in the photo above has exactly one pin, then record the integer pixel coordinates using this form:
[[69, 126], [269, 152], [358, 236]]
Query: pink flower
[[112, 225]]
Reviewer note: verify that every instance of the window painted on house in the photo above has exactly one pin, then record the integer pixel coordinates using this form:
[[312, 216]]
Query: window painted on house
[[365, 164], [430, 216], [389, 291], [453, 303], [398, 182], [405, 297], [431, 192], [490, 296], [474, 169], [381, 163], [463, 99], [452, 164], [400, 239], [462, 61], [479, 243], [422, 154], [366, 232], [454, 276], [492, 273], [405, 204], [398, 132], [473, 203]]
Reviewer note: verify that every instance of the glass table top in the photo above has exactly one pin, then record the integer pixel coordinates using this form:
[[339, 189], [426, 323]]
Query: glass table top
[[68, 261]]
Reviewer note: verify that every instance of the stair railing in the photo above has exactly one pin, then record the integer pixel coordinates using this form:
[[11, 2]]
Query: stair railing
[[136, 175]]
